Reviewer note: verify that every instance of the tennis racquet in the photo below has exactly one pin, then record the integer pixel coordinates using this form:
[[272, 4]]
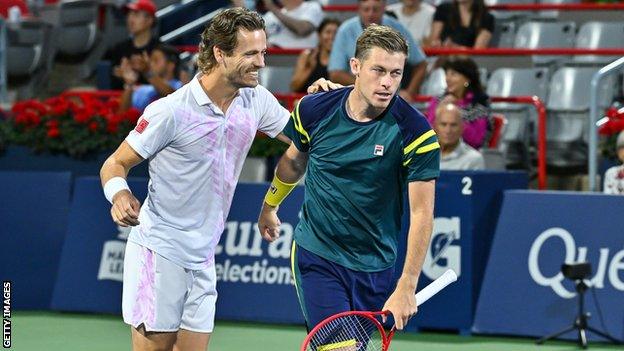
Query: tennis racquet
[[361, 330]]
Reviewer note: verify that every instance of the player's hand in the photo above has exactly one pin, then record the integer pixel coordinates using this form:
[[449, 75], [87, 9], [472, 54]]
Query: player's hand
[[125, 210], [269, 223], [402, 305], [323, 84]]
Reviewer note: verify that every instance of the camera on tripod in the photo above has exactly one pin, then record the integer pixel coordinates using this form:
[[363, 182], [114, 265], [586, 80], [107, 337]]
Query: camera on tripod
[[576, 271]]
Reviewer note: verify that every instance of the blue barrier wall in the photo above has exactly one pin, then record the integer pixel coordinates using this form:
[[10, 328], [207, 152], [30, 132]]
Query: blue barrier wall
[[466, 211], [524, 292], [33, 219], [91, 267]]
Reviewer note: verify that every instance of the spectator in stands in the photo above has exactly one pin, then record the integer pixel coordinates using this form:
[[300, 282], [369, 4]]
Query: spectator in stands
[[614, 177], [140, 20], [416, 16], [293, 25], [5, 5], [464, 90], [455, 153], [161, 75], [369, 12], [312, 63], [462, 23]]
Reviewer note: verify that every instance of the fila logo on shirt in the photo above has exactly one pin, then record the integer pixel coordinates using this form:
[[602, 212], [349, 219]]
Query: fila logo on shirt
[[378, 150]]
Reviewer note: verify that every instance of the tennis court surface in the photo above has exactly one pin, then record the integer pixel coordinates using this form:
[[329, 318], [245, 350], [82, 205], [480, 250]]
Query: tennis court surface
[[35, 331]]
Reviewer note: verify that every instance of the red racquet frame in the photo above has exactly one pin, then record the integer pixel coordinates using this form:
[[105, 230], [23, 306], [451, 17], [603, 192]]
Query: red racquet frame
[[386, 337]]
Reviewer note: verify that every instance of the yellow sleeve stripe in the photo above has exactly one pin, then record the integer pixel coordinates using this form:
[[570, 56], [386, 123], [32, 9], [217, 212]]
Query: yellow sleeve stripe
[[418, 141], [299, 125], [422, 150], [427, 148]]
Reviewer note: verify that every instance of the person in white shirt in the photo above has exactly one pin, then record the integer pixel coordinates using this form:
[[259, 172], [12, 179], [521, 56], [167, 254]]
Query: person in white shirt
[[455, 153], [415, 15], [614, 177], [294, 25], [196, 140]]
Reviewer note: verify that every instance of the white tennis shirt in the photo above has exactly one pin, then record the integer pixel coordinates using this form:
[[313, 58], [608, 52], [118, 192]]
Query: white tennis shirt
[[195, 154]]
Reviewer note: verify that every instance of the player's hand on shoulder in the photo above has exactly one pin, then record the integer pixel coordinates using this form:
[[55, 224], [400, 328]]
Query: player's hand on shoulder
[[269, 223], [323, 84], [402, 305], [125, 210]]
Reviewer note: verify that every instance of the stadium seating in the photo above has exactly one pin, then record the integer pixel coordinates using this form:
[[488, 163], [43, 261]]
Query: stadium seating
[[76, 32], [508, 82], [493, 154], [28, 56], [276, 79], [568, 106], [536, 35], [599, 35]]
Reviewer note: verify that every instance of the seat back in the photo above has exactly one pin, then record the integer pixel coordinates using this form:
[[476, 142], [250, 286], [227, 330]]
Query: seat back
[[25, 47], [599, 35], [276, 78], [78, 29], [536, 35]]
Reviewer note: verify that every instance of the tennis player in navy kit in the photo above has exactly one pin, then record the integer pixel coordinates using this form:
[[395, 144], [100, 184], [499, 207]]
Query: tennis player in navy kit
[[364, 149]]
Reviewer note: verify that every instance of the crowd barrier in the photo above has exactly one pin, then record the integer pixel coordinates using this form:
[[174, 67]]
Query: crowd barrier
[[524, 292], [254, 276]]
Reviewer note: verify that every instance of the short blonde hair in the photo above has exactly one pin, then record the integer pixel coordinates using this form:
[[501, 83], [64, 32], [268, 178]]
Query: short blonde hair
[[382, 37]]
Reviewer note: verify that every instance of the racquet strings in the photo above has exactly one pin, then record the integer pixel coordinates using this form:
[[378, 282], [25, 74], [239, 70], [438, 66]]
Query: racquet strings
[[347, 333]]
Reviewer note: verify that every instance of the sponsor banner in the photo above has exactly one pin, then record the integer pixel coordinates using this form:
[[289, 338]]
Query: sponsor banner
[[33, 221], [524, 291]]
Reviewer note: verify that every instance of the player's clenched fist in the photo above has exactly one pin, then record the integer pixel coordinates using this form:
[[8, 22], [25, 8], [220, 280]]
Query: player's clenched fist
[[125, 210], [269, 223]]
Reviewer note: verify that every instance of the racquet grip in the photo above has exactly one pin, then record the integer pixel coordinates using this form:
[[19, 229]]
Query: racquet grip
[[427, 292]]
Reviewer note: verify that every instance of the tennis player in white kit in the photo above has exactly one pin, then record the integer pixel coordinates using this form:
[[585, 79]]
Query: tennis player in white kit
[[196, 140]]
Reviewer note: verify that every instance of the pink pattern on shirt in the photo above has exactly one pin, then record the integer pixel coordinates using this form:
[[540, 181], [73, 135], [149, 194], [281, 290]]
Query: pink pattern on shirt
[[239, 133], [144, 311]]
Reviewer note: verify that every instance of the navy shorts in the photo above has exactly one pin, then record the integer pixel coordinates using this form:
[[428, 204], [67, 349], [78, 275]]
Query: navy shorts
[[325, 288]]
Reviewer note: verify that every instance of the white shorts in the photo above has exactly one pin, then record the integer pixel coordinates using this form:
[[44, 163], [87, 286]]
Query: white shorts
[[165, 297]]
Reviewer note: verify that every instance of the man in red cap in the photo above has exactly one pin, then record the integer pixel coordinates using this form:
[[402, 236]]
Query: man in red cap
[[140, 19]]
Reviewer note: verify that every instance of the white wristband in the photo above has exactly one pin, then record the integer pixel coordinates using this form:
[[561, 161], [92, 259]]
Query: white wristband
[[113, 186]]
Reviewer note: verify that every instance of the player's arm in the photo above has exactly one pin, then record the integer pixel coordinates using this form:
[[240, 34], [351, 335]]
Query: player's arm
[[290, 169], [113, 174], [402, 302]]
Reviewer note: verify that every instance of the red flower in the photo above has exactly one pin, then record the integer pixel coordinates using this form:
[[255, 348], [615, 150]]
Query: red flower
[[82, 116], [611, 112], [54, 133], [52, 124], [112, 127], [28, 118], [132, 115], [93, 126]]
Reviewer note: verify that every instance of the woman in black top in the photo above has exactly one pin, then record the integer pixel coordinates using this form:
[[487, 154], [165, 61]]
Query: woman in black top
[[312, 64], [464, 23]]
